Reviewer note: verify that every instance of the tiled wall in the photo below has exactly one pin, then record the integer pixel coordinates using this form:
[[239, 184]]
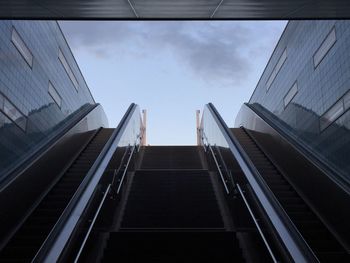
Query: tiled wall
[[319, 88], [25, 88]]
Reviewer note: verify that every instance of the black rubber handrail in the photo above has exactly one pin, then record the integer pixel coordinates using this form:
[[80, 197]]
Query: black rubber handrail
[[11, 174], [292, 240], [55, 243], [314, 158]]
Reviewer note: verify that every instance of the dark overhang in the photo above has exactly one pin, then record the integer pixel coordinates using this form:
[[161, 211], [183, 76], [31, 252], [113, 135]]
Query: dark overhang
[[174, 9]]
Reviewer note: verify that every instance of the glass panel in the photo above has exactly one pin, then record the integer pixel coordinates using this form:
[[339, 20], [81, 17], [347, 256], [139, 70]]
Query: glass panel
[[68, 69], [11, 111], [347, 101], [332, 114], [325, 47], [290, 95], [132, 130], [211, 130], [21, 47], [276, 69], [2, 120], [1, 102], [54, 94]]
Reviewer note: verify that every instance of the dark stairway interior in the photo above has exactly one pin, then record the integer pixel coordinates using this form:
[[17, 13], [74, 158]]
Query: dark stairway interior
[[176, 204], [319, 238], [28, 239], [171, 213]]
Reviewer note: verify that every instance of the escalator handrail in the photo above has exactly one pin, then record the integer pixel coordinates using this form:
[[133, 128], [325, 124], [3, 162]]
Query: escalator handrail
[[306, 151], [289, 235], [56, 241], [9, 176]]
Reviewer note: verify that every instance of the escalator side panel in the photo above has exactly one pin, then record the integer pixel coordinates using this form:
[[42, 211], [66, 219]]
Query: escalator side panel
[[29, 181], [29, 187], [28, 239], [327, 198], [302, 216]]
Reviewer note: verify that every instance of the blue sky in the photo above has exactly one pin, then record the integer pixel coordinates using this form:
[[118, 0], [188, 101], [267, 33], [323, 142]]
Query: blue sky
[[172, 68]]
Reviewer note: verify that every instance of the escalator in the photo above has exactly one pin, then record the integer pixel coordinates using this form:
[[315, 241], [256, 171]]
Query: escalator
[[225, 200], [268, 173], [28, 239], [319, 238]]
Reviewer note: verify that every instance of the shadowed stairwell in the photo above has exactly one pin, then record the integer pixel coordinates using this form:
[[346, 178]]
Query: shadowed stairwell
[[171, 212]]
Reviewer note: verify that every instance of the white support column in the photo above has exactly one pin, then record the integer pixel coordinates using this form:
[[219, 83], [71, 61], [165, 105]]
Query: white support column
[[199, 142], [144, 125]]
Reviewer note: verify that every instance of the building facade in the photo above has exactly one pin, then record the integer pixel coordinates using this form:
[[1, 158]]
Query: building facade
[[304, 90], [41, 88]]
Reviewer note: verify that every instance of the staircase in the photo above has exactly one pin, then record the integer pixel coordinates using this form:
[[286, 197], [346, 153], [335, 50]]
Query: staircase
[[171, 213]]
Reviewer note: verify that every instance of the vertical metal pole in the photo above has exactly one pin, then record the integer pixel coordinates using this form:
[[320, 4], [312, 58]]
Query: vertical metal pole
[[144, 125], [199, 141]]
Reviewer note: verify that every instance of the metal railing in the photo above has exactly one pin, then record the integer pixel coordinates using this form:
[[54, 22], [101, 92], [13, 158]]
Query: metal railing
[[126, 168], [256, 223], [108, 191], [224, 182], [92, 223], [237, 186]]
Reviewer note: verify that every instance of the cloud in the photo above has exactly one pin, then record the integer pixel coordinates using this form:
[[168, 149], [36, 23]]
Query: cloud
[[217, 52]]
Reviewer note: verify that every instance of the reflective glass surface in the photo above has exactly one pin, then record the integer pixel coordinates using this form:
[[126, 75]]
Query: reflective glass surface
[[312, 116], [211, 131], [132, 131], [31, 116]]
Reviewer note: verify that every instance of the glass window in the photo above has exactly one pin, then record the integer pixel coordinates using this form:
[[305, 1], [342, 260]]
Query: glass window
[[276, 69], [325, 47], [21, 47], [1, 102], [332, 114], [290, 95], [14, 114], [347, 100], [54, 94], [68, 69]]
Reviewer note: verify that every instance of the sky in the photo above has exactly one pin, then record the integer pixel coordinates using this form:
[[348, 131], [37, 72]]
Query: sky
[[172, 68]]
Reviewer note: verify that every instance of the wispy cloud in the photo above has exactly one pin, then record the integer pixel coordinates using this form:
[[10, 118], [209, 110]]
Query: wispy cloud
[[220, 53]]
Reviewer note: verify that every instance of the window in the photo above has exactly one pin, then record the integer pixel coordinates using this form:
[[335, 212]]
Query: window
[[332, 114], [68, 69], [21, 47], [347, 100], [12, 112], [325, 47], [54, 95], [276, 69], [290, 95]]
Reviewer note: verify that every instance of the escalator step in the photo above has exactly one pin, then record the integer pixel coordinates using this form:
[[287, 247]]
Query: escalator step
[[28, 239], [333, 257], [326, 247], [173, 247]]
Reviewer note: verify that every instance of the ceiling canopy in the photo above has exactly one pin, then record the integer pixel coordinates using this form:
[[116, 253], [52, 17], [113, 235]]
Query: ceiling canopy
[[174, 9]]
